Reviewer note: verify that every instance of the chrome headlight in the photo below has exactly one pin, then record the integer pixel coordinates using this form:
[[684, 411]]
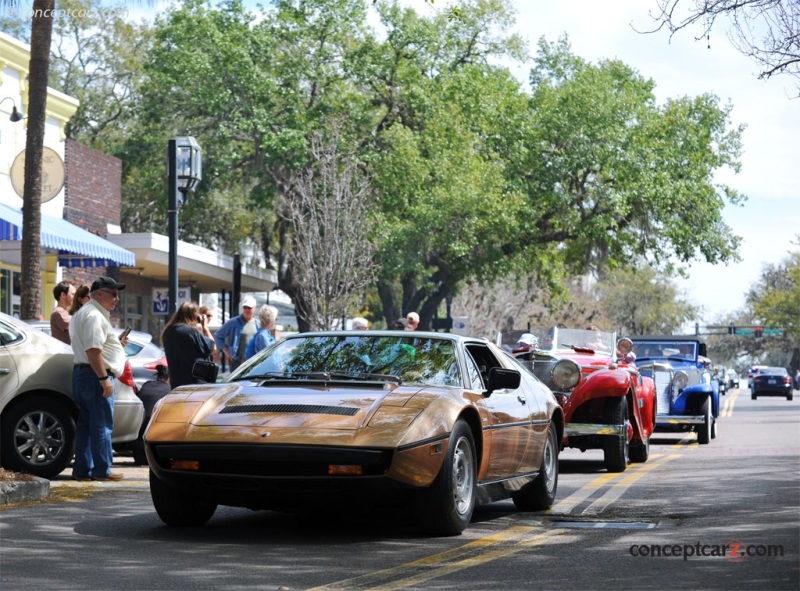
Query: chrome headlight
[[681, 380], [566, 374], [624, 346]]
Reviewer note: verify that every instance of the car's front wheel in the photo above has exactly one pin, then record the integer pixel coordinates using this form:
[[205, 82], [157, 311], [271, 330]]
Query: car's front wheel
[[541, 493], [639, 452], [704, 433], [176, 507], [38, 437], [446, 507], [616, 448]]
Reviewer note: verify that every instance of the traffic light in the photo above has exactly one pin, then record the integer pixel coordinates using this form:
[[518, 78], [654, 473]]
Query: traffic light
[[758, 332]]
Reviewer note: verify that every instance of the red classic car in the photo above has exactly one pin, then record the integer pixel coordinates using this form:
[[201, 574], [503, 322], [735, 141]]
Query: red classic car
[[607, 404]]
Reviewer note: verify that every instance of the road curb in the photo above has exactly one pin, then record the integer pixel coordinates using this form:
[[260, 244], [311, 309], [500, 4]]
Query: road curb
[[22, 491]]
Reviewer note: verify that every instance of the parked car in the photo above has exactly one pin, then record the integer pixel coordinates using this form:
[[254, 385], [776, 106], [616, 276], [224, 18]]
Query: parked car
[[687, 394], [772, 381], [607, 405], [733, 379], [140, 350], [752, 372], [37, 413], [440, 421], [143, 355]]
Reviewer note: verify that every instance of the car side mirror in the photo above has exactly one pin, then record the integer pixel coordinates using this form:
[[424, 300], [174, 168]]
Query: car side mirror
[[500, 378], [205, 370]]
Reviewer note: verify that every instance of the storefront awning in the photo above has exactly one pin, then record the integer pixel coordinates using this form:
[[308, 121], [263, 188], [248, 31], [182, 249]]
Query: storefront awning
[[76, 247]]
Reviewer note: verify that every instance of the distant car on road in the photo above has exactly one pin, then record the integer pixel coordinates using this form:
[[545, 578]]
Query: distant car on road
[[37, 413], [772, 381], [733, 379]]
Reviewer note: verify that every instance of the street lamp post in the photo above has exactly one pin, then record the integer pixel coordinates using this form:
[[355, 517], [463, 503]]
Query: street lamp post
[[184, 171]]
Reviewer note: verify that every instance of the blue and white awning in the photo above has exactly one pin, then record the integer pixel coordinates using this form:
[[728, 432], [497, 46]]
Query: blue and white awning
[[76, 247]]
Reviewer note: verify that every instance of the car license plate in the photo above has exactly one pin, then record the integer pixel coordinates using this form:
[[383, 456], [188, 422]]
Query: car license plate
[[771, 381]]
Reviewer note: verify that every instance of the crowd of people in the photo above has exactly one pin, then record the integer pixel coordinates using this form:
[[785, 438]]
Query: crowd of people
[[82, 319]]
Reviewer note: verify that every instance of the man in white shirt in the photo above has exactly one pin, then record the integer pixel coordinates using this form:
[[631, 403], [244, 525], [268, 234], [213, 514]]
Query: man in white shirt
[[99, 357]]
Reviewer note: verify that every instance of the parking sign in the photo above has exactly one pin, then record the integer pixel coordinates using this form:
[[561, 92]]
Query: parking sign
[[161, 299]]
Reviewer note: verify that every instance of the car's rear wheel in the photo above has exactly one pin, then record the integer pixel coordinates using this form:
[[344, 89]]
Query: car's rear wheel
[[175, 507], [446, 507], [704, 432], [541, 493], [38, 437], [616, 448], [639, 452], [753, 396], [789, 397]]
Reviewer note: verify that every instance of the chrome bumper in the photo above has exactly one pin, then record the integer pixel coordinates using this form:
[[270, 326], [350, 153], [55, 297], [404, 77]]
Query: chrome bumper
[[577, 429], [680, 419]]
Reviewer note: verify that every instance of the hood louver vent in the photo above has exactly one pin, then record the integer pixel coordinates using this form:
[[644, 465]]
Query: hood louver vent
[[293, 408]]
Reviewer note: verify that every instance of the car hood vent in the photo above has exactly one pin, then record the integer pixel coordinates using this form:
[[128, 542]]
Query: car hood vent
[[318, 409]]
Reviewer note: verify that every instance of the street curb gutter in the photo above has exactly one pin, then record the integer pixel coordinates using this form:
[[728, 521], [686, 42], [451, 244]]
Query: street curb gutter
[[19, 491]]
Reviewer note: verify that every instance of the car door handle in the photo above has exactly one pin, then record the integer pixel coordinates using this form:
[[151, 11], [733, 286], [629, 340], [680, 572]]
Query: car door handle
[[4, 370], [521, 399]]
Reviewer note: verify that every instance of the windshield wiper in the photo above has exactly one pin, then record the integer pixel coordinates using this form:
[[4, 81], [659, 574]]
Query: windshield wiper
[[280, 375], [355, 375]]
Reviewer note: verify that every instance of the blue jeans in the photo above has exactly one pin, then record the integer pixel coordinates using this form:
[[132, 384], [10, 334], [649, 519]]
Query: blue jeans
[[93, 453]]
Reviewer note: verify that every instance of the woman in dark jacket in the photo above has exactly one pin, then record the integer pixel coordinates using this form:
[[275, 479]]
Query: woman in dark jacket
[[186, 339]]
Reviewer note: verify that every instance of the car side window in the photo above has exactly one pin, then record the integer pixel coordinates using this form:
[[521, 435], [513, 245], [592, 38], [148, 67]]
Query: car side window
[[9, 335], [484, 361], [473, 375]]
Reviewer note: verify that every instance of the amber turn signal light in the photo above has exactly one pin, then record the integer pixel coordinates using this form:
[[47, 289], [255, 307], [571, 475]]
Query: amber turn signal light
[[345, 470], [193, 465]]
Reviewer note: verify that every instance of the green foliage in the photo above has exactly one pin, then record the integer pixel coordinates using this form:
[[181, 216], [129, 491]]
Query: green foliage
[[643, 300], [776, 298]]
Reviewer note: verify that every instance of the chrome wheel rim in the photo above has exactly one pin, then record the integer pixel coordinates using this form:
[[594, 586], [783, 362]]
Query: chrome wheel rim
[[463, 476], [549, 465], [39, 438]]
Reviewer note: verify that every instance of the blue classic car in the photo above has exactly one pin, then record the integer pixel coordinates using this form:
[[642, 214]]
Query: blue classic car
[[687, 392]]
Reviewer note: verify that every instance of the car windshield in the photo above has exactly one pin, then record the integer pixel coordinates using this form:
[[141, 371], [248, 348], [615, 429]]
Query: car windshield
[[403, 359], [670, 349], [564, 338]]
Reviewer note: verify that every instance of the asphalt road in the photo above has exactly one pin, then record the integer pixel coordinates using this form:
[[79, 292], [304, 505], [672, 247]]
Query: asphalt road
[[718, 516]]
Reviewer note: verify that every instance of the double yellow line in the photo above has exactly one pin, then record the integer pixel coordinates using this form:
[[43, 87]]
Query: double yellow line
[[513, 540]]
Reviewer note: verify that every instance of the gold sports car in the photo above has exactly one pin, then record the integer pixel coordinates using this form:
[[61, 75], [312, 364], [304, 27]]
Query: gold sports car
[[441, 421]]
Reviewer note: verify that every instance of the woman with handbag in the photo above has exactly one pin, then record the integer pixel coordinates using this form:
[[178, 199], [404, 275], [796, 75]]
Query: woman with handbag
[[186, 339]]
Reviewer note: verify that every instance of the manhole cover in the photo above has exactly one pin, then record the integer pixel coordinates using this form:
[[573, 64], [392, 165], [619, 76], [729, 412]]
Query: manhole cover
[[604, 524]]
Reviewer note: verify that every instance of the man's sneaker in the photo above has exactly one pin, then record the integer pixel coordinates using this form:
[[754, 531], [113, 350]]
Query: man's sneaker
[[81, 478], [110, 476]]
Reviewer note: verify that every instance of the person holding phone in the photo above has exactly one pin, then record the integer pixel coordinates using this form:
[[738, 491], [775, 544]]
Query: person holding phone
[[99, 357], [186, 339]]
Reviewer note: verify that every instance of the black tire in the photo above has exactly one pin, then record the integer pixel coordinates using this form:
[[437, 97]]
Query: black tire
[[753, 397], [38, 437], [177, 508], [541, 493], [139, 457], [446, 507], [616, 448], [789, 397], [639, 452], [704, 431]]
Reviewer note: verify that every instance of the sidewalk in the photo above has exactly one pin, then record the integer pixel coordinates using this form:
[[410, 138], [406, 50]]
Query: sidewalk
[[37, 489]]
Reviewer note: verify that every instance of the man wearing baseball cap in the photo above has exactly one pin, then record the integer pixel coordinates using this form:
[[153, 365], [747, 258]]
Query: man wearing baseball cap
[[233, 336], [99, 357]]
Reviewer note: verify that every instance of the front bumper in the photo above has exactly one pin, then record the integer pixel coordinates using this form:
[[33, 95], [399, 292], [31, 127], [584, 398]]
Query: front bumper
[[579, 429], [668, 420]]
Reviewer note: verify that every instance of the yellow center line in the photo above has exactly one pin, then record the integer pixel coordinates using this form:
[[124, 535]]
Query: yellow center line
[[727, 408], [689, 440], [569, 503], [446, 569], [476, 547], [618, 489]]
